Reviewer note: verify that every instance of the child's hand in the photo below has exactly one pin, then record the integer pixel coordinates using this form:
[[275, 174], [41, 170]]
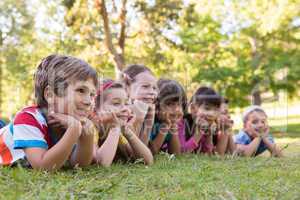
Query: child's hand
[[140, 109], [149, 118], [174, 128], [164, 128], [255, 131], [164, 117], [101, 117], [201, 122], [264, 133], [63, 121], [122, 116], [88, 127], [224, 122]]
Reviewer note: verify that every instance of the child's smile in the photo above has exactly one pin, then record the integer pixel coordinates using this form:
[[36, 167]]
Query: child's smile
[[144, 88], [77, 101], [256, 123]]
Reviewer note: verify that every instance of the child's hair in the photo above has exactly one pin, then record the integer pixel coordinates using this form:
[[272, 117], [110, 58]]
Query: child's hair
[[130, 72], [206, 95], [251, 109], [171, 91], [105, 85], [57, 72]]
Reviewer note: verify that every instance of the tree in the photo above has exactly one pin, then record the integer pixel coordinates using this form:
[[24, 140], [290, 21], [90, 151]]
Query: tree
[[15, 41], [246, 60]]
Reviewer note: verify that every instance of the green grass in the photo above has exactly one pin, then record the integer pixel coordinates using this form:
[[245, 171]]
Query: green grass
[[185, 177], [293, 130]]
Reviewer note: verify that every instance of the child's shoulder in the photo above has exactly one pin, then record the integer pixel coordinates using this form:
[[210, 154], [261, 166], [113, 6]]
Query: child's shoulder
[[242, 137], [30, 115]]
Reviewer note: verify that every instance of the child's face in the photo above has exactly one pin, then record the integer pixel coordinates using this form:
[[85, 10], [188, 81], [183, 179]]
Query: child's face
[[256, 123], [144, 88], [171, 111], [209, 112], [77, 100], [116, 100], [224, 109]]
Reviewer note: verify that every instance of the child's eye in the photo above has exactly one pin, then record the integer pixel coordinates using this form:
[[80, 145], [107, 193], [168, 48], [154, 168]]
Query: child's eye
[[116, 103], [145, 86], [81, 90], [206, 108]]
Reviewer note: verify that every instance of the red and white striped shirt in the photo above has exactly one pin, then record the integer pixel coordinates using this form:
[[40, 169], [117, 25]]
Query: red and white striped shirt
[[29, 129]]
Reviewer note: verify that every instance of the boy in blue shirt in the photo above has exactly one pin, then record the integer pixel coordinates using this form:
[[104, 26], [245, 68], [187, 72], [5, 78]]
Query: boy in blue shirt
[[255, 138]]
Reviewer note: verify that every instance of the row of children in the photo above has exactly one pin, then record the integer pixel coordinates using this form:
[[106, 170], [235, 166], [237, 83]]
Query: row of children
[[79, 121]]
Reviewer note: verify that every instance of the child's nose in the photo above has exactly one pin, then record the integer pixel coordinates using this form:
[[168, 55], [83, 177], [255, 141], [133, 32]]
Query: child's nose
[[87, 100], [153, 92], [260, 124]]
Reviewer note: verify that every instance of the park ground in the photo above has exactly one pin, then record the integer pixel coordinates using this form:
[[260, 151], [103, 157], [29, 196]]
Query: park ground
[[181, 177]]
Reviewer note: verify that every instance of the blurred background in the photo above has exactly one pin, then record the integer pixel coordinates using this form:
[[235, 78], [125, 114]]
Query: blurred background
[[247, 50]]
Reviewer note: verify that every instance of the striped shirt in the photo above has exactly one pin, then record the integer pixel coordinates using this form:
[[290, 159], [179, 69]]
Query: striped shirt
[[28, 130]]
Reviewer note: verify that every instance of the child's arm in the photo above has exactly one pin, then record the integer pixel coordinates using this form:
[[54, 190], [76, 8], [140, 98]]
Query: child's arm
[[148, 123], [105, 154], [250, 149], [272, 147], [158, 141], [224, 137], [207, 143], [139, 148], [126, 150], [55, 157], [83, 153], [174, 147]]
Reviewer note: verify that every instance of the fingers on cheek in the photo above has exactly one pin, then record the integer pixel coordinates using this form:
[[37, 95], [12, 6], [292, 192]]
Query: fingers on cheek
[[53, 121]]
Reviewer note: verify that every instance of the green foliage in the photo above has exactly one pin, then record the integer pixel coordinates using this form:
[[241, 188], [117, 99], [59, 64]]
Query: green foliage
[[238, 47], [256, 57]]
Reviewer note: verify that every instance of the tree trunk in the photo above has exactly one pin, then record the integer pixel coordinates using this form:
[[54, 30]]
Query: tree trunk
[[118, 57], [256, 98], [256, 60]]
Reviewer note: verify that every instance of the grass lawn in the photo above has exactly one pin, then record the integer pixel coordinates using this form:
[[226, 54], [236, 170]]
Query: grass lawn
[[183, 177]]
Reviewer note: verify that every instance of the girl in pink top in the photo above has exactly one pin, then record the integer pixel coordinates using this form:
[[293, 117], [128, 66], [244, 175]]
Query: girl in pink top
[[202, 131]]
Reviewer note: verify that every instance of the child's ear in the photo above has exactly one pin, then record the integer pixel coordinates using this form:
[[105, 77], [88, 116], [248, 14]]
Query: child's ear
[[48, 95]]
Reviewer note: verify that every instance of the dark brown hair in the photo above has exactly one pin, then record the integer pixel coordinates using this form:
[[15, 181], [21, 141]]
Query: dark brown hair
[[58, 71], [206, 95], [170, 91], [131, 71]]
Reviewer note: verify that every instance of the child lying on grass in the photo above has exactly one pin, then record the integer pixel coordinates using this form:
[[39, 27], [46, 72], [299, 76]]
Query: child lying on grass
[[170, 108], [141, 86], [55, 130], [203, 130], [255, 138], [113, 118]]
